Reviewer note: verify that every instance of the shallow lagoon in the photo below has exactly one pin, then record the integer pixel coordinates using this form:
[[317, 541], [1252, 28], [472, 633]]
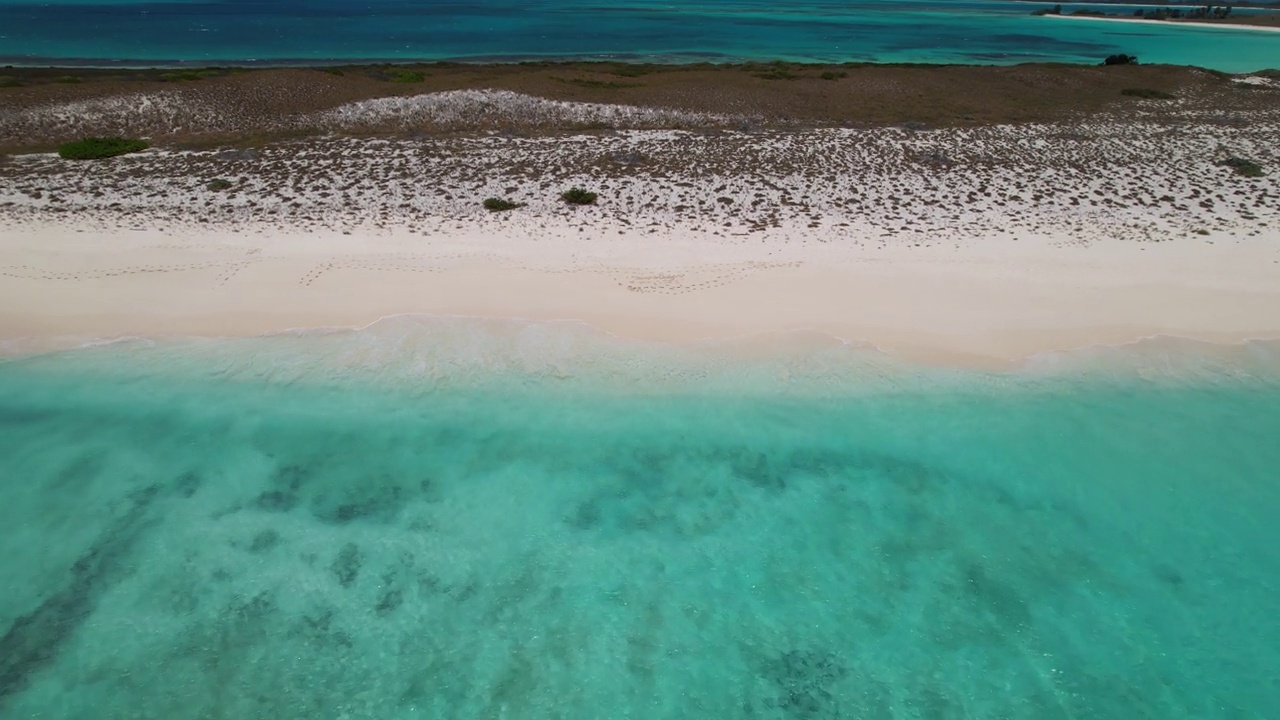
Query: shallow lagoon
[[434, 518]]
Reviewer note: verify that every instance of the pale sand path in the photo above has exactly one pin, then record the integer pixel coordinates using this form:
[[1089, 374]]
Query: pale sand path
[[986, 303]]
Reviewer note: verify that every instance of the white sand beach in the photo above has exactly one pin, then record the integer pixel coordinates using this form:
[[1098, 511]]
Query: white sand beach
[[988, 306], [979, 246]]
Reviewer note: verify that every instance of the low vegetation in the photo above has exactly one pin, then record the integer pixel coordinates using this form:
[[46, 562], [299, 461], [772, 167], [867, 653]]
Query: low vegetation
[[67, 79], [97, 148], [190, 75], [1121, 59], [495, 204], [632, 69], [219, 184], [1244, 166], [772, 71], [403, 75], [8, 81], [600, 84], [1148, 94], [1208, 12], [578, 196], [834, 75]]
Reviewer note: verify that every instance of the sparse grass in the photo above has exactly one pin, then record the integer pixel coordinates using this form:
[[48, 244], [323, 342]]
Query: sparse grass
[[1244, 166], [190, 75], [67, 79], [8, 81], [777, 73], [829, 75], [219, 184], [771, 71], [97, 148], [578, 196], [495, 204], [600, 84], [404, 75], [333, 71], [1148, 94], [632, 70]]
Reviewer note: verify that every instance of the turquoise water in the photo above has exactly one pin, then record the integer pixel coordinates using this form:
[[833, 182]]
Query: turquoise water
[[934, 31], [436, 519]]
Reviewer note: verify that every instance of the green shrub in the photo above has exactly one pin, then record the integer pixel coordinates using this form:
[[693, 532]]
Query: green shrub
[[1148, 94], [1244, 166], [494, 204], [333, 71], [9, 81], [95, 148], [1120, 59], [219, 184], [404, 75], [67, 79], [578, 196]]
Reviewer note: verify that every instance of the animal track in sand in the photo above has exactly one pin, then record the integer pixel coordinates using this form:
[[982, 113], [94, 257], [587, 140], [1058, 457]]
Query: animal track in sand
[[30, 272], [693, 279]]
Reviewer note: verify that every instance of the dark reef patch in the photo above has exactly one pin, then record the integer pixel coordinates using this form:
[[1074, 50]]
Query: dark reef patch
[[377, 500], [34, 640], [290, 477], [264, 541], [805, 684], [188, 484], [276, 501], [388, 602], [346, 566]]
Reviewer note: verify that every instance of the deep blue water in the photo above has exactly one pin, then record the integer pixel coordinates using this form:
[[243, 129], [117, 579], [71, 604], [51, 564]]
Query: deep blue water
[[275, 31]]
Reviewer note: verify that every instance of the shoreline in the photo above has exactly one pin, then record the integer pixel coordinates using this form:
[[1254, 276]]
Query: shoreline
[[995, 310]]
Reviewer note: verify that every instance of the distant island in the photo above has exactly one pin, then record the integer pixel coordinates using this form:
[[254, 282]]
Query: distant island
[[1184, 12]]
